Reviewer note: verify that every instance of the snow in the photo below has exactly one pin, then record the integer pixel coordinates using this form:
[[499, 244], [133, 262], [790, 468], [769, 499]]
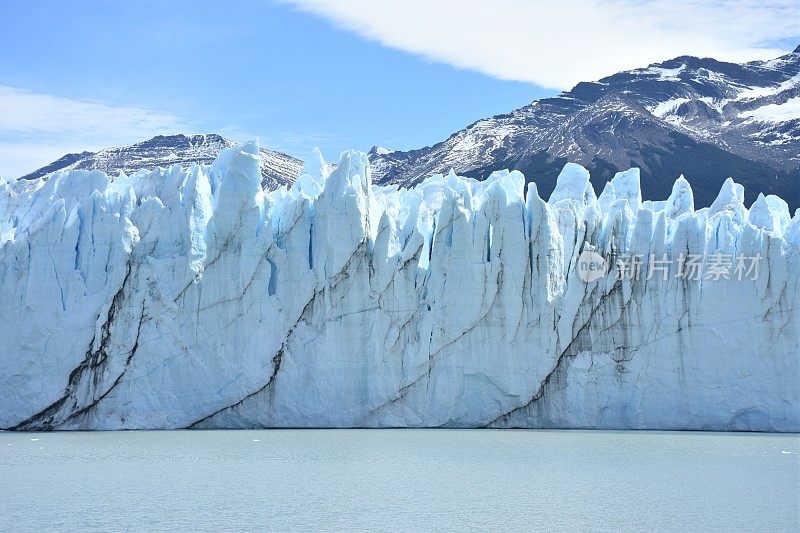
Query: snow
[[715, 103], [667, 107], [759, 92], [788, 110], [190, 297], [665, 74], [468, 143]]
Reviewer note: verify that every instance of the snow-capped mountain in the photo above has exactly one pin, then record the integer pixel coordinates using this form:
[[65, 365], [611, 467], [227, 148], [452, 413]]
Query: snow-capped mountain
[[193, 298], [164, 150], [707, 119]]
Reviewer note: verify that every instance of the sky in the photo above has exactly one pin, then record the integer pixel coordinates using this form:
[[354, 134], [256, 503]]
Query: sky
[[338, 74]]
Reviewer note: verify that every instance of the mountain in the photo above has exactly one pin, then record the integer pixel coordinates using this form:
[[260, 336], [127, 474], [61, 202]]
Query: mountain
[[193, 299], [707, 119], [164, 150]]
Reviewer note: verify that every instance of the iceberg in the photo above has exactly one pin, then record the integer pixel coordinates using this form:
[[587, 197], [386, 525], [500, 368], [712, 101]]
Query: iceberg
[[192, 298]]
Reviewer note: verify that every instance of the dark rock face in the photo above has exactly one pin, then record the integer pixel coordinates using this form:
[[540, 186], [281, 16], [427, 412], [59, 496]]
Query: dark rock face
[[707, 119]]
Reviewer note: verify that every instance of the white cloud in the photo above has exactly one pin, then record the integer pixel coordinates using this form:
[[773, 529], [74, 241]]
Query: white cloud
[[37, 128], [555, 44]]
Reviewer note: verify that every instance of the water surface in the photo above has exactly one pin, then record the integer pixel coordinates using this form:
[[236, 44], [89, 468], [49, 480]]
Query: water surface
[[399, 479]]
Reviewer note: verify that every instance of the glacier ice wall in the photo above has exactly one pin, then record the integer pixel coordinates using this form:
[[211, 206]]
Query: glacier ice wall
[[191, 298]]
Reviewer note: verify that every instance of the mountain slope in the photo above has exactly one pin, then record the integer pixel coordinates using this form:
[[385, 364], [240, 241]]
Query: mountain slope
[[700, 117], [165, 150]]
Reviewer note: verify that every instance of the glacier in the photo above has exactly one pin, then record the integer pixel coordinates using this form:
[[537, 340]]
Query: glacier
[[192, 298]]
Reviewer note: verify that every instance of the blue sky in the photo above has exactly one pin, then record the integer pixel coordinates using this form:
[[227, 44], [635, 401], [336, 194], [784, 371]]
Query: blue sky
[[353, 73], [245, 70]]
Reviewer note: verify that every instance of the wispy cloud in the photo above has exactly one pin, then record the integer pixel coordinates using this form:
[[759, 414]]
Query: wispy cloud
[[555, 44], [36, 128]]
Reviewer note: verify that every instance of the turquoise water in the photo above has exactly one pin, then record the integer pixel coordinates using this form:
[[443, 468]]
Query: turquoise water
[[399, 480]]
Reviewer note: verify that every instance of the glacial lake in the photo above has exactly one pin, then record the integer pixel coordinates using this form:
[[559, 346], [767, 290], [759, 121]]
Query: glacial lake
[[399, 480]]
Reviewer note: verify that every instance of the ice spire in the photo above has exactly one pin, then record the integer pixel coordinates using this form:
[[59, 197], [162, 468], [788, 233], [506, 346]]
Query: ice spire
[[681, 200]]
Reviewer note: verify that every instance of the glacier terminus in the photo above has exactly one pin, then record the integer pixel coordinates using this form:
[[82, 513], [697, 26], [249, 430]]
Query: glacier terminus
[[193, 298]]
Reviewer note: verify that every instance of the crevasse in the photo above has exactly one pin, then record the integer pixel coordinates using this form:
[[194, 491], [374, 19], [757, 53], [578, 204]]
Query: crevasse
[[192, 298]]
